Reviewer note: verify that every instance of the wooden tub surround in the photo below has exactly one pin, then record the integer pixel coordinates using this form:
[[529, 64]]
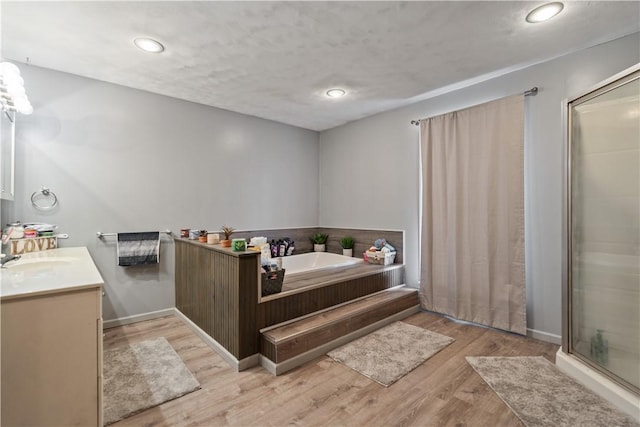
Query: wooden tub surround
[[218, 296], [291, 344], [323, 290], [217, 291], [363, 238]]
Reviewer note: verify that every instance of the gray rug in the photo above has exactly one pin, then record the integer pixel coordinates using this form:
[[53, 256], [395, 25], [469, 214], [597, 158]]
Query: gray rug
[[139, 376], [540, 395], [390, 353]]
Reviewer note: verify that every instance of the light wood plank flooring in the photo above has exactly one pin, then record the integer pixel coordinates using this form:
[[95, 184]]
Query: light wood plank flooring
[[444, 390]]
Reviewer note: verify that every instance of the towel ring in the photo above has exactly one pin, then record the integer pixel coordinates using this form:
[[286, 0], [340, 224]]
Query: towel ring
[[44, 193]]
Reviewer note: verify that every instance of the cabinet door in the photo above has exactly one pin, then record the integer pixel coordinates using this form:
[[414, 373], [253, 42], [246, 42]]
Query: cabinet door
[[50, 360]]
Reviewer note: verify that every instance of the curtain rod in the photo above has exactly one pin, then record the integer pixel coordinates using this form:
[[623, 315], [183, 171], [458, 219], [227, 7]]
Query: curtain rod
[[532, 91]]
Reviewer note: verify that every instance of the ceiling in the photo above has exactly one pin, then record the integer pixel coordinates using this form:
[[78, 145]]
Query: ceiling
[[276, 60]]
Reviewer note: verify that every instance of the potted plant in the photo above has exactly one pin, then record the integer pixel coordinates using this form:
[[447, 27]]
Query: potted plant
[[202, 237], [347, 246], [319, 241], [228, 231]]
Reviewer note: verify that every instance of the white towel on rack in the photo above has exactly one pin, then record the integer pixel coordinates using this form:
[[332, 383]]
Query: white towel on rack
[[138, 248]]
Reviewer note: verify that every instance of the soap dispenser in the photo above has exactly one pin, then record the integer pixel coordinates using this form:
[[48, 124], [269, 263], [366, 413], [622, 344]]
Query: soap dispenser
[[600, 348]]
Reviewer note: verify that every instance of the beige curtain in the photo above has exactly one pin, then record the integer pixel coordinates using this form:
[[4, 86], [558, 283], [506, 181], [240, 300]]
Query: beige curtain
[[473, 214]]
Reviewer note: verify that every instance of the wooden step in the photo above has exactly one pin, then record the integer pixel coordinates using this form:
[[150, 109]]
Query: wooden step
[[282, 343]]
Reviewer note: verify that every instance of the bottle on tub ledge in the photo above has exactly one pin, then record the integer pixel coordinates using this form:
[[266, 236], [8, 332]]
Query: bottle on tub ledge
[[283, 247]]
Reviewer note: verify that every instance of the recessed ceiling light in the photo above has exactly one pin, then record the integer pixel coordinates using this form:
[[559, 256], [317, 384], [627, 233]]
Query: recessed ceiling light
[[335, 93], [544, 12], [149, 45]]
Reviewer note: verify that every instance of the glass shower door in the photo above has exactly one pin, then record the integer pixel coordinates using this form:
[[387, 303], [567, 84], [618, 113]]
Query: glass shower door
[[604, 241]]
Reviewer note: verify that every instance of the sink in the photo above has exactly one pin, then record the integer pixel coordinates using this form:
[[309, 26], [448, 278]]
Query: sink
[[52, 270], [38, 263]]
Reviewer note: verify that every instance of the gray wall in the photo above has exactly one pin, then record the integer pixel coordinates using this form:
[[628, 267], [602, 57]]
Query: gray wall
[[121, 160], [125, 160], [369, 169]]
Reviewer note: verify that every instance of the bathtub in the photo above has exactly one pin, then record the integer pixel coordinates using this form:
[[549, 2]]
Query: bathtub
[[315, 261]]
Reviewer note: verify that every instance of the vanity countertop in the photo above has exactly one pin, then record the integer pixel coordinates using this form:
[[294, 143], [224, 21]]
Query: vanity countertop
[[49, 271]]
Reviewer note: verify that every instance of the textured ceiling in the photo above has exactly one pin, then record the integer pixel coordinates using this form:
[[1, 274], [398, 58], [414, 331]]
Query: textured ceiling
[[277, 59]]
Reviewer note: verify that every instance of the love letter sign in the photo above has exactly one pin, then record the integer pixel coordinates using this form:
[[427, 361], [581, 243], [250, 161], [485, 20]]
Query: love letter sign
[[36, 244]]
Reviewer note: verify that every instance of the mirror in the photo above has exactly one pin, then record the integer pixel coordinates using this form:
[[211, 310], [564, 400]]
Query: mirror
[[7, 154]]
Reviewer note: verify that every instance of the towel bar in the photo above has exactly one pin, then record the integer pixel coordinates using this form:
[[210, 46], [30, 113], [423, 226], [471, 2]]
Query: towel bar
[[101, 234]]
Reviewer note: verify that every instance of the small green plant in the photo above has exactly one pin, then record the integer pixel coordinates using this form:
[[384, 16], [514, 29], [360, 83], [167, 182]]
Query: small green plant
[[347, 242], [319, 238], [228, 231]]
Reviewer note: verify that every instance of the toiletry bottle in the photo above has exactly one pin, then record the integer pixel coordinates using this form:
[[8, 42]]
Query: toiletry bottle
[[599, 348], [282, 248], [604, 348], [274, 250], [594, 351], [290, 248]]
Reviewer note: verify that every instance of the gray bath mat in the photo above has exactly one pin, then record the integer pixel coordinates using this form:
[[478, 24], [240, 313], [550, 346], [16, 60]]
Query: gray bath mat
[[390, 353], [139, 376], [540, 395]]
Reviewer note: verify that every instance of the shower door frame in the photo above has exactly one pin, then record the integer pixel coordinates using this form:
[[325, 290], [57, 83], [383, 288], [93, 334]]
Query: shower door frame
[[626, 76]]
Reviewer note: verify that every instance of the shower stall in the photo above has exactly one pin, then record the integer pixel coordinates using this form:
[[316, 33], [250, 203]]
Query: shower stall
[[602, 291]]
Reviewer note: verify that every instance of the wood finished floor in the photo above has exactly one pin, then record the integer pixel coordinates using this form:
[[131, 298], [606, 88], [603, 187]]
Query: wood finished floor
[[443, 391]]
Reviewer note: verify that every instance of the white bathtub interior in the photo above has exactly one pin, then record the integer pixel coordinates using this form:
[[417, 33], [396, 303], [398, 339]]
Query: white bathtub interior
[[315, 261]]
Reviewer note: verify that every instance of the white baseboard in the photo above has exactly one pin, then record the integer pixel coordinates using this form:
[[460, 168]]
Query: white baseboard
[[137, 318], [531, 333], [294, 362], [237, 365], [544, 336], [248, 362]]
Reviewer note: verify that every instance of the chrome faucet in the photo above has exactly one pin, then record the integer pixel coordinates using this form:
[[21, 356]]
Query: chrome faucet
[[8, 258]]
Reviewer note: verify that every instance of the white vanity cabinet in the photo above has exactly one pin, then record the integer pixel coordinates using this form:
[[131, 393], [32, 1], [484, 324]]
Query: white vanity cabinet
[[52, 354]]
